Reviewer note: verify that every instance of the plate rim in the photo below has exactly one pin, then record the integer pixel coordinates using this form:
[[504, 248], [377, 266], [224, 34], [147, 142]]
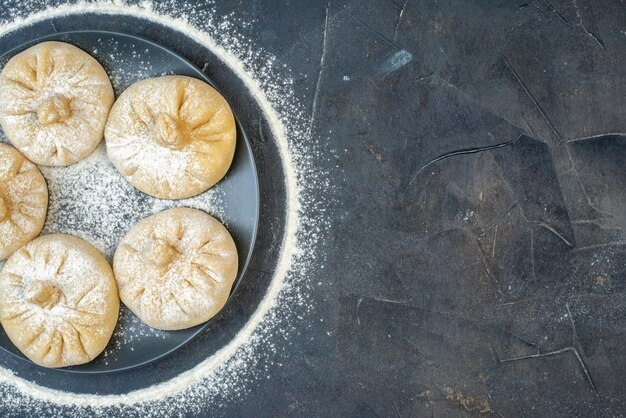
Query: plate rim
[[201, 327]]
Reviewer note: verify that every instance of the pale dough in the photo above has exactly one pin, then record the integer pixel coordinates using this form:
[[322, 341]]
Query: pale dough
[[23, 200], [171, 137], [54, 102], [58, 301], [176, 269]]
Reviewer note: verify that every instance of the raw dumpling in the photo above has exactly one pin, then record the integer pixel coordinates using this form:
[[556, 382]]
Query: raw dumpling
[[23, 200], [171, 137], [175, 269], [54, 102], [58, 301]]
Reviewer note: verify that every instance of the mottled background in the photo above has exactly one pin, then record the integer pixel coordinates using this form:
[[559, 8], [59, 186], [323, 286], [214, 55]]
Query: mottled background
[[476, 264]]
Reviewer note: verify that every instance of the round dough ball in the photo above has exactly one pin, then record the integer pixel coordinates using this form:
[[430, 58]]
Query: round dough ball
[[23, 200], [54, 102], [175, 269], [171, 137], [58, 301]]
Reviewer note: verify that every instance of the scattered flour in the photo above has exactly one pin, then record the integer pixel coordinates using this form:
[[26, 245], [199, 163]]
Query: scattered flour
[[92, 200], [227, 372]]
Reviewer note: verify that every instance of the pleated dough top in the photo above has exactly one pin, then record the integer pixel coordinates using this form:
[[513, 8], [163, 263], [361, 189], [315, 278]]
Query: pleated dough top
[[175, 269], [171, 137], [54, 102], [58, 301], [23, 200]]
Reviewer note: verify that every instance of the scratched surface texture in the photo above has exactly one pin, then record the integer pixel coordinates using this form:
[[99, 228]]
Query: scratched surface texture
[[477, 259]]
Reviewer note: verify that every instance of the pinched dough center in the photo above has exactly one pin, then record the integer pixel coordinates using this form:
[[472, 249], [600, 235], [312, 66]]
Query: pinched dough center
[[42, 293], [170, 132], [161, 253], [55, 109]]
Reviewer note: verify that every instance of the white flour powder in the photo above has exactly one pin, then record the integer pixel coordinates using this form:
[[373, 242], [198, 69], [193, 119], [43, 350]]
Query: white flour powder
[[227, 372]]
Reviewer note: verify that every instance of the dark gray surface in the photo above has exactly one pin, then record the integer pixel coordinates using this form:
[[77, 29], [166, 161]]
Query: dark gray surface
[[487, 283]]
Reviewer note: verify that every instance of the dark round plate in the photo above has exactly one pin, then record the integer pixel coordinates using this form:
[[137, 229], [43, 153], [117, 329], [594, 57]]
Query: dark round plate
[[128, 59]]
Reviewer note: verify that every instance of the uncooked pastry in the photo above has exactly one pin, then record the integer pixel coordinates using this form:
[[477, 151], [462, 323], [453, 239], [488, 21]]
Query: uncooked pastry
[[58, 301], [171, 137], [54, 102], [175, 269], [23, 200]]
